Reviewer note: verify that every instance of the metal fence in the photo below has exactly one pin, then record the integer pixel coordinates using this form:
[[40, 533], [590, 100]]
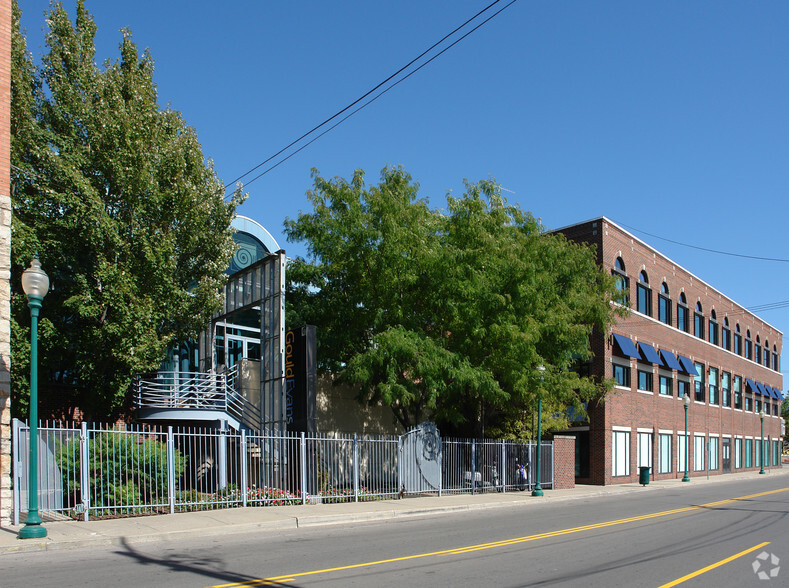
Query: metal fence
[[98, 471]]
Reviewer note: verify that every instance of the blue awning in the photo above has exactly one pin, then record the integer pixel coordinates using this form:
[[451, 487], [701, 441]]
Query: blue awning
[[773, 392], [650, 354], [670, 360], [687, 366], [752, 385], [625, 345], [761, 389]]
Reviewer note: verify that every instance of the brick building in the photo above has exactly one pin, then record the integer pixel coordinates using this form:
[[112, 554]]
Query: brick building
[[681, 336]]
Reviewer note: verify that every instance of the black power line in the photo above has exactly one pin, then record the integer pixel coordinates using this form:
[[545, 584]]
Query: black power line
[[365, 95]]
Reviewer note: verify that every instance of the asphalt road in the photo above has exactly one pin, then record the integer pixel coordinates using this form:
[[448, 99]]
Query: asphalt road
[[655, 538]]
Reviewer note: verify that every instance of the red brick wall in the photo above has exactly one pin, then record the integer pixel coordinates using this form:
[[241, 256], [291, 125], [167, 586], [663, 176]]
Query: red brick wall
[[563, 462], [654, 412]]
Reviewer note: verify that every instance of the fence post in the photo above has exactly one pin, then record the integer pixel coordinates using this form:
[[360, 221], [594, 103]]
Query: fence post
[[222, 456], [473, 467], [17, 467], [170, 469], [400, 484], [503, 478], [553, 462], [84, 471], [355, 468], [244, 472], [303, 472], [440, 466]]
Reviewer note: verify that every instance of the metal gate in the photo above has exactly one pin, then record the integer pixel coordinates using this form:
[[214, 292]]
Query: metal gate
[[420, 460]]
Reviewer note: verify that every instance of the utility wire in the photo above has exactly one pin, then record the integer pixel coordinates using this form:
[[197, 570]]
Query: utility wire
[[373, 99], [706, 249]]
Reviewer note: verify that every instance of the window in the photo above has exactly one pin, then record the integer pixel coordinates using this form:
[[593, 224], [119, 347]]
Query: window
[[664, 453], [666, 385], [699, 383], [644, 295], [726, 335], [698, 322], [737, 340], [757, 351], [683, 388], [698, 453], [776, 453], [748, 452], [644, 450], [683, 323], [738, 392], [748, 345], [682, 452], [621, 453], [758, 446], [664, 305], [713, 453], [622, 375], [775, 408], [713, 328], [622, 285], [757, 405], [713, 385], [775, 358], [766, 353], [748, 403], [645, 380], [726, 389], [737, 453]]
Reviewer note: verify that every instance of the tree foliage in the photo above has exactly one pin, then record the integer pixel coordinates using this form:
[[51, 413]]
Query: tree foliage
[[446, 314], [129, 220]]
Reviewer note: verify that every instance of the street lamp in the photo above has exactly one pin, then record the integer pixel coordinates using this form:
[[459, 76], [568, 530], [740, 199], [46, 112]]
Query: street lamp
[[686, 402], [35, 284], [537, 488], [761, 450]]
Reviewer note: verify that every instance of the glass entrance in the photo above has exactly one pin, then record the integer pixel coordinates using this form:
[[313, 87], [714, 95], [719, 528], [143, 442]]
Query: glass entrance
[[726, 455]]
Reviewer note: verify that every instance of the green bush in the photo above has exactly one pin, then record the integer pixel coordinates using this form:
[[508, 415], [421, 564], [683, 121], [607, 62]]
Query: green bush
[[126, 471]]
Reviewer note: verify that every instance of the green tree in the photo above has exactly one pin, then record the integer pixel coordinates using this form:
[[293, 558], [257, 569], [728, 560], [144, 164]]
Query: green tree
[[446, 314], [127, 217]]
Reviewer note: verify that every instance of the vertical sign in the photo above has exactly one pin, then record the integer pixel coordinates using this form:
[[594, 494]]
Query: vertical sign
[[300, 379]]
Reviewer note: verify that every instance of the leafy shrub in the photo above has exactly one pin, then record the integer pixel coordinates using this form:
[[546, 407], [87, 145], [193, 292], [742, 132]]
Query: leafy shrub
[[125, 470]]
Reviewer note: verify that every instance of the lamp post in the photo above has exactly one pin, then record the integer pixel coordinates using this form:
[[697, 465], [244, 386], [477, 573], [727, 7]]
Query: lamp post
[[537, 488], [686, 402], [35, 284], [761, 449]]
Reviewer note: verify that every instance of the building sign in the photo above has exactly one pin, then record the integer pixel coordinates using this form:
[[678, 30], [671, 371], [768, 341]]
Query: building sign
[[300, 379]]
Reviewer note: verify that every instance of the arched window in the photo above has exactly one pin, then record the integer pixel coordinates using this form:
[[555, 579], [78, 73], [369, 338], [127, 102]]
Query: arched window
[[713, 328], [644, 297], [683, 314], [622, 295], [757, 350], [664, 305], [726, 335], [698, 321], [775, 358], [737, 340], [766, 357], [748, 345]]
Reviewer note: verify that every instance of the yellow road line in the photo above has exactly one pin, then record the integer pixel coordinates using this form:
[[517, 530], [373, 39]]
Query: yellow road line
[[713, 566], [502, 543]]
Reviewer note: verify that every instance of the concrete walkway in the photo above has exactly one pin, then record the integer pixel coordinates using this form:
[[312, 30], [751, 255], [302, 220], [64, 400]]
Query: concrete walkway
[[79, 534]]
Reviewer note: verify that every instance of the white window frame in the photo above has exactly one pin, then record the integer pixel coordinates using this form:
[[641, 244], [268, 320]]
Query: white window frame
[[620, 453]]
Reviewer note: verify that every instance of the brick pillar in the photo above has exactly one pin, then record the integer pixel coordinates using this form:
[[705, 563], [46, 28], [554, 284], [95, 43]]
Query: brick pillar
[[563, 462], [5, 262]]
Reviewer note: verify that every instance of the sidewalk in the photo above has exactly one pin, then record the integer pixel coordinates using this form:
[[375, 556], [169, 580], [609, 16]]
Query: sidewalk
[[79, 534]]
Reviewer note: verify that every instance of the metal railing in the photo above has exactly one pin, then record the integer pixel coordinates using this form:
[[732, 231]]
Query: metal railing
[[197, 391], [95, 471]]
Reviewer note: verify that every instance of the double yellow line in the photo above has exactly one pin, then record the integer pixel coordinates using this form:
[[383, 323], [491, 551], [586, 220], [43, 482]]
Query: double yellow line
[[506, 542]]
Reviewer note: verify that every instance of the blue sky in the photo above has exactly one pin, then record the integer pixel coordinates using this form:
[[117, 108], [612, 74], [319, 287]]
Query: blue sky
[[669, 118]]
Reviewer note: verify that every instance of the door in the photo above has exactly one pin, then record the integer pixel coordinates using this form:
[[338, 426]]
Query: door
[[726, 455]]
